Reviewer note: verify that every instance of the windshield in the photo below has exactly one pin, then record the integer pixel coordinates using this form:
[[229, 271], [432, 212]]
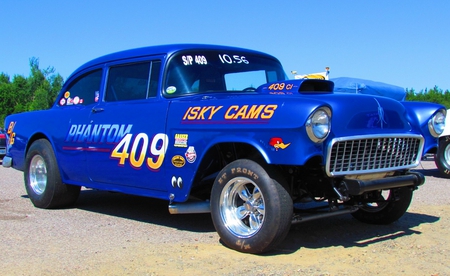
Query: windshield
[[219, 71]]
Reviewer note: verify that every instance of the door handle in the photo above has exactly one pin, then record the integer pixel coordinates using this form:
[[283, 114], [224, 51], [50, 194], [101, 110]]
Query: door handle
[[97, 109]]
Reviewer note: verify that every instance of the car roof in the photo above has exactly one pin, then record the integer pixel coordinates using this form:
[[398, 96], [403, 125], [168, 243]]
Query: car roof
[[168, 49]]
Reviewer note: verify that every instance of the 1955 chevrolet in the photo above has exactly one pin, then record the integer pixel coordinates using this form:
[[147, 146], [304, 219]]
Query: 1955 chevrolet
[[221, 130]]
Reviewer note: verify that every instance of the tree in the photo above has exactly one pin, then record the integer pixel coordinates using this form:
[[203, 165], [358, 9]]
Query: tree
[[36, 92], [434, 95], [5, 102]]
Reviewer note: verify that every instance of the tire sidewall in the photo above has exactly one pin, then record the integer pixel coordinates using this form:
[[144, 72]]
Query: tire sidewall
[[274, 221], [42, 148], [441, 163], [389, 213]]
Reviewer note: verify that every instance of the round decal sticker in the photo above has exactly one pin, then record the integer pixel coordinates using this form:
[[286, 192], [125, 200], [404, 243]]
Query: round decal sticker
[[67, 94], [178, 161], [191, 155], [171, 89]]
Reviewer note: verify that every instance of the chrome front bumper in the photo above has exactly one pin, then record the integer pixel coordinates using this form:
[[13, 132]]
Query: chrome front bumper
[[358, 187]]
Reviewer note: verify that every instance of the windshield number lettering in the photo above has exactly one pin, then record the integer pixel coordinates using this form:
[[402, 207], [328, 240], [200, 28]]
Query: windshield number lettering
[[198, 59], [187, 60], [224, 58], [201, 60]]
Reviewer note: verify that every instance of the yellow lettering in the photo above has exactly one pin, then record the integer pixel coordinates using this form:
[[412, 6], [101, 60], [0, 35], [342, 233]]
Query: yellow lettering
[[229, 116], [213, 111], [155, 164], [233, 112], [241, 112], [10, 132], [201, 115], [254, 111], [193, 113], [187, 112], [269, 111]]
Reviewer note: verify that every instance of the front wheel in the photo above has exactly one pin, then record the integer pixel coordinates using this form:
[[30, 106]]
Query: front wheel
[[442, 157], [42, 178], [385, 207], [251, 212]]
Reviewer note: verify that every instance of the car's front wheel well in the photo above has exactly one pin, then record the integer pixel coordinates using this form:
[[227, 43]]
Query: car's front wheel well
[[215, 159]]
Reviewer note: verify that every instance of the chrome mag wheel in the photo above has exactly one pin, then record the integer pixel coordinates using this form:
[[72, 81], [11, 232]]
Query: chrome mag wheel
[[242, 207], [38, 174]]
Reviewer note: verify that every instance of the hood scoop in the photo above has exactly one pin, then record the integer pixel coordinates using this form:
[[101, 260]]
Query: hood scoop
[[304, 86]]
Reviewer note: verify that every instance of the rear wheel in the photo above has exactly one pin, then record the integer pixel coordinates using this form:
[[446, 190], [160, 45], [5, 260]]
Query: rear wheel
[[442, 157], [387, 206], [251, 211], [43, 181]]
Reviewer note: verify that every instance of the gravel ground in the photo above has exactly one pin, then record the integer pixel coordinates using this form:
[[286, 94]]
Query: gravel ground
[[116, 234]]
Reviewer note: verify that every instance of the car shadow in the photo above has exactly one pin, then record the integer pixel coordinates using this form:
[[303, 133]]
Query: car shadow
[[143, 209], [432, 172], [348, 232], [341, 230]]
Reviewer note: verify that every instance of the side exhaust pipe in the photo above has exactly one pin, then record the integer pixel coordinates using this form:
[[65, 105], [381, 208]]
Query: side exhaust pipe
[[196, 207], [298, 218]]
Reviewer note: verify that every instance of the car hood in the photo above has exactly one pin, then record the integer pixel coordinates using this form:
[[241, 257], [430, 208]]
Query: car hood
[[351, 114], [363, 114]]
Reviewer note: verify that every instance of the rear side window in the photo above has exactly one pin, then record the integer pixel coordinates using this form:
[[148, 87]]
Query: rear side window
[[84, 90], [132, 81]]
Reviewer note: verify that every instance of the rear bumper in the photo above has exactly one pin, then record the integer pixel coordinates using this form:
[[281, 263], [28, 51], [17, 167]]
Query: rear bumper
[[7, 162], [358, 187]]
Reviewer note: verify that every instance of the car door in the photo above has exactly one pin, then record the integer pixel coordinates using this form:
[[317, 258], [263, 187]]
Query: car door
[[69, 121], [130, 140]]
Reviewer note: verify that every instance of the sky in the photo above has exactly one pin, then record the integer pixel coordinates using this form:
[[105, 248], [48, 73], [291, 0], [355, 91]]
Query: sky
[[403, 42]]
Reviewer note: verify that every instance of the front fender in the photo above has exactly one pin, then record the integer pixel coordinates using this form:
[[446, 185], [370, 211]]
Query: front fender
[[421, 113]]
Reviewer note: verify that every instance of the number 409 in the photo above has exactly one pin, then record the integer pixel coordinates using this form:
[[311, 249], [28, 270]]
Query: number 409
[[138, 153]]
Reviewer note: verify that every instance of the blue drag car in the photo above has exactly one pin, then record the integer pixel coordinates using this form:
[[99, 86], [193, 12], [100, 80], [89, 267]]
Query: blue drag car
[[221, 130]]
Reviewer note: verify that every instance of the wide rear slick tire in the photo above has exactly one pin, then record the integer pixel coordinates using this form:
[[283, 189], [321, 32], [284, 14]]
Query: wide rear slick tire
[[42, 178], [251, 212]]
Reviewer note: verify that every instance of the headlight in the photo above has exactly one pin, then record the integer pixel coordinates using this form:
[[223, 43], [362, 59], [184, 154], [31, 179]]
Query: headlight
[[436, 124], [318, 124]]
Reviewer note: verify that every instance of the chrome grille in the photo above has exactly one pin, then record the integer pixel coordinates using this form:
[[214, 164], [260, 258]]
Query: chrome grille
[[357, 155]]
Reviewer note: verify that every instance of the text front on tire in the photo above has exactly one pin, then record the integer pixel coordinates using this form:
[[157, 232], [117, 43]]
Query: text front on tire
[[251, 211]]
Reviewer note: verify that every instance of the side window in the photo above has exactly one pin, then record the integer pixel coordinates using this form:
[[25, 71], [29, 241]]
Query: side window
[[84, 90], [128, 82]]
